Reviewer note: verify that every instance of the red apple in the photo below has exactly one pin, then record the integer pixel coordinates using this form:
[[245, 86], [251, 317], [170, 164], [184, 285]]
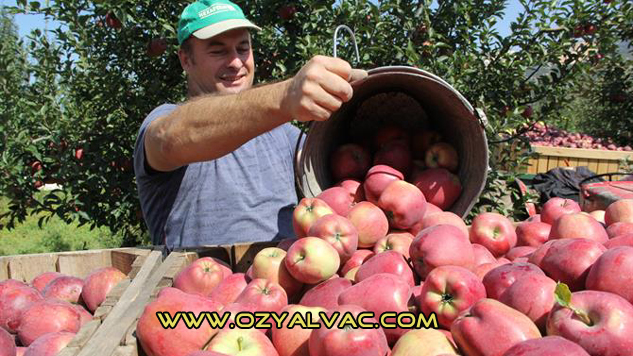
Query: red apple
[[230, 288], [537, 256], [532, 233], [235, 308], [556, 207], [42, 279], [619, 211], [7, 344], [50, 315], [266, 295], [476, 331], [66, 288], [520, 252], [440, 245], [569, 261], [338, 199], [602, 322], [422, 141], [387, 262], [399, 242], [356, 260], [403, 203], [242, 342], [306, 213], [156, 47], [395, 154], [312, 260], [377, 179], [269, 264], [287, 12], [612, 272], [339, 232], [439, 186], [294, 342], [201, 276], [15, 298], [533, 295], [449, 290], [442, 155], [493, 231], [50, 344], [349, 161], [578, 225], [326, 293], [389, 133], [501, 278], [354, 188], [445, 217], [546, 346], [622, 240], [619, 228], [482, 255], [370, 222]]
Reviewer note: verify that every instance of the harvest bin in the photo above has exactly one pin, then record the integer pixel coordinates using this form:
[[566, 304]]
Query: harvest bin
[[598, 161], [136, 263], [416, 100], [119, 338]]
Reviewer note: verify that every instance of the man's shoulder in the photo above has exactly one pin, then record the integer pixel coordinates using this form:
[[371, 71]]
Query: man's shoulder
[[159, 111]]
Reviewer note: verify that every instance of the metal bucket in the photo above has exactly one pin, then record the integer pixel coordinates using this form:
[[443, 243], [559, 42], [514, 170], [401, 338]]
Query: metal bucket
[[443, 108]]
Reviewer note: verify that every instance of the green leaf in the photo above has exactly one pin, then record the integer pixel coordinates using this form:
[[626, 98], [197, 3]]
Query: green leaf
[[562, 295]]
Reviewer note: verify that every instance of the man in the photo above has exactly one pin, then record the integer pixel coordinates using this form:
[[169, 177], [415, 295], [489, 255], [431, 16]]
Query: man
[[218, 168]]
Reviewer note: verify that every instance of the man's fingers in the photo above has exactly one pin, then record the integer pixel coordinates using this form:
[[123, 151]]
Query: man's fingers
[[336, 86], [358, 74], [336, 66]]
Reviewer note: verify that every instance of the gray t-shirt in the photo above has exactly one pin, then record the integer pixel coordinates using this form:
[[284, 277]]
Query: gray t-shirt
[[247, 195]]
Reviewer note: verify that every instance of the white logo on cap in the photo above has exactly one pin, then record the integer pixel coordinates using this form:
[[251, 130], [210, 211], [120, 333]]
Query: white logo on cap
[[215, 9]]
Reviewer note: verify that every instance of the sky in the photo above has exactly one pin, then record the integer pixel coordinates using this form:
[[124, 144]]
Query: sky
[[26, 23]]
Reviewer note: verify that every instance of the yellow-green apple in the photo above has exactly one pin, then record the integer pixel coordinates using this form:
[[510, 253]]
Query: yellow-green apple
[[358, 257], [387, 262], [403, 203], [520, 252], [380, 293], [50, 315], [347, 341], [349, 161], [206, 353], [434, 343], [15, 298], [442, 155], [578, 225], [370, 222], [267, 295], [482, 255], [440, 245], [98, 284], [439, 186], [66, 288], [600, 322], [619, 211], [227, 291], [269, 264], [42, 279], [449, 290], [622, 240], [339, 232], [177, 341], [306, 213], [242, 342], [377, 179], [338, 199], [500, 278], [619, 228], [421, 142], [546, 346], [612, 272], [532, 295], [556, 207], [325, 294], [354, 188], [569, 261], [537, 256], [312, 260], [532, 233], [294, 342], [7, 344], [50, 344], [444, 217], [494, 231], [351, 274], [395, 154], [477, 330], [201, 276], [398, 241], [598, 215], [389, 133]]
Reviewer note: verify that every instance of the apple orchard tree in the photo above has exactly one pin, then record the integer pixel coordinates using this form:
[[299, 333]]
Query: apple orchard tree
[[71, 111]]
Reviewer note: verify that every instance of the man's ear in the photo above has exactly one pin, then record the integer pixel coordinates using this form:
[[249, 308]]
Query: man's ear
[[186, 61]]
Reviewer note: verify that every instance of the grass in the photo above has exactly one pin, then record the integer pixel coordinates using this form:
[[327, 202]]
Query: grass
[[55, 236]]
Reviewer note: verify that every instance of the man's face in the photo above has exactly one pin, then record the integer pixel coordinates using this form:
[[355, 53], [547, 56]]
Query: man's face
[[222, 64]]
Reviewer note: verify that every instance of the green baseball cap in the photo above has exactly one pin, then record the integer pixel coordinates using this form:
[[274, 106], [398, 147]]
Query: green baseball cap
[[207, 18]]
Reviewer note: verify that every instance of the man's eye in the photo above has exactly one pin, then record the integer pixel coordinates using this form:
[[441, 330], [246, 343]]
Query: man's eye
[[243, 50]]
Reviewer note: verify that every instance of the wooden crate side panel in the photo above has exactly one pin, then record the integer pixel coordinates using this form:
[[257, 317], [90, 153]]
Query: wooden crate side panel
[[81, 264], [28, 267]]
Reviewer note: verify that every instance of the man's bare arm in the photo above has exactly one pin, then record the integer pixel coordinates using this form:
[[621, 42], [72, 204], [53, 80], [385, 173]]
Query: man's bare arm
[[212, 126]]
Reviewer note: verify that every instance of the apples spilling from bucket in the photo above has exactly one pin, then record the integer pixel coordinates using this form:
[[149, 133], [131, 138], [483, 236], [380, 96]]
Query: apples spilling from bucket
[[559, 283], [41, 317]]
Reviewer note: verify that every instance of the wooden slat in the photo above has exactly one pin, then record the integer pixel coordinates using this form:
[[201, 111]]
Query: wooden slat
[[28, 267], [582, 153], [573, 162], [81, 264], [593, 165], [532, 166], [583, 162], [4, 269], [542, 164], [552, 162]]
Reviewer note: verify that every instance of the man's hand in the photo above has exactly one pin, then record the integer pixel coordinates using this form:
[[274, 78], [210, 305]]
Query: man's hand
[[320, 88]]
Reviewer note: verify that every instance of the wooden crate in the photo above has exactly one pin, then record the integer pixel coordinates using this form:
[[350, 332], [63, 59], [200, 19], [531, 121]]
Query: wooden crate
[[117, 336], [136, 263], [598, 161]]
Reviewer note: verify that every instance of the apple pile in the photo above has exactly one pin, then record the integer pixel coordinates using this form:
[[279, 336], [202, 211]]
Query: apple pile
[[421, 159], [545, 135], [40, 318], [559, 283]]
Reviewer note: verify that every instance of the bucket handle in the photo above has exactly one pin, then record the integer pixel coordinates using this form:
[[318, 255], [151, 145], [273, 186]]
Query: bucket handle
[[297, 157]]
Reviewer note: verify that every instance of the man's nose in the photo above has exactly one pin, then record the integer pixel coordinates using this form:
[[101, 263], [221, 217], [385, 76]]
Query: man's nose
[[235, 60]]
